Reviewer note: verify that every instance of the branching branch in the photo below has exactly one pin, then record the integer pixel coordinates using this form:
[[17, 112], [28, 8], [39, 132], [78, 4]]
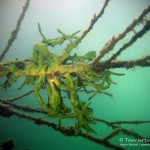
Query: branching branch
[[49, 77], [114, 39], [128, 132], [14, 33], [133, 39], [7, 110], [66, 130]]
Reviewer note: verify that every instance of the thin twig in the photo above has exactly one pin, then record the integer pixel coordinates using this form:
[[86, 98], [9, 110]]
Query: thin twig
[[130, 122], [141, 62], [23, 108], [123, 130], [14, 33], [114, 39], [74, 44], [139, 34], [18, 97], [114, 133], [95, 18]]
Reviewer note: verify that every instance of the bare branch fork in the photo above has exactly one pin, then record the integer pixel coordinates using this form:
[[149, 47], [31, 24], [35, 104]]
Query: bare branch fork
[[110, 44], [139, 34]]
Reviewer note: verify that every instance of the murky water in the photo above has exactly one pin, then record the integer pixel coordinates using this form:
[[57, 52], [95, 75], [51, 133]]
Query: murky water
[[131, 94]]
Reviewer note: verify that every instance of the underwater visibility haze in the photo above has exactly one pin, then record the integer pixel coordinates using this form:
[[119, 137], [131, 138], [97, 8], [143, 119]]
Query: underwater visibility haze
[[63, 58]]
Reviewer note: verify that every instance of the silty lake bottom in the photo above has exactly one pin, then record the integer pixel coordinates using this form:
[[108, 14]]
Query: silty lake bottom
[[131, 96]]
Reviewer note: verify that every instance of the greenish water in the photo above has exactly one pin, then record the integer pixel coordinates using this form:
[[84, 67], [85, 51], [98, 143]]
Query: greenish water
[[131, 94]]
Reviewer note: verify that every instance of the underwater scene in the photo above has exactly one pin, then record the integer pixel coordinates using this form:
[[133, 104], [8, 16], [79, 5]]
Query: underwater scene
[[74, 74]]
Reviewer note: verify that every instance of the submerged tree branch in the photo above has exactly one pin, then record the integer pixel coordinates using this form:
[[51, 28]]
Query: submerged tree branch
[[139, 34], [66, 130], [14, 33], [115, 39], [18, 97], [141, 62], [8, 108], [22, 108], [74, 44], [130, 122], [128, 132], [95, 18]]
